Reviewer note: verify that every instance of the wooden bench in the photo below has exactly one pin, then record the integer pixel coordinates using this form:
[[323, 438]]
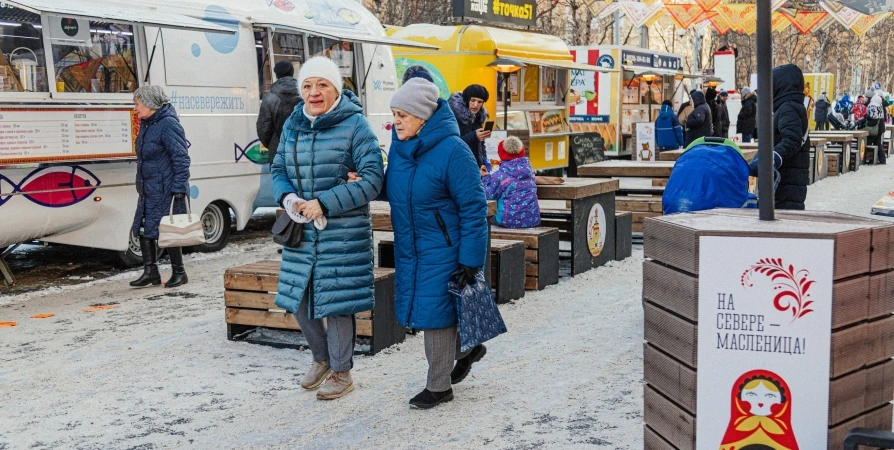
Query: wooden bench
[[541, 253], [250, 291], [506, 262], [507, 269], [640, 208], [624, 235]]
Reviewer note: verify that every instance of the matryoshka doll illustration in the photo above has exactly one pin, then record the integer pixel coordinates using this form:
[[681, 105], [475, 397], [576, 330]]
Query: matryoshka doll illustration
[[761, 414]]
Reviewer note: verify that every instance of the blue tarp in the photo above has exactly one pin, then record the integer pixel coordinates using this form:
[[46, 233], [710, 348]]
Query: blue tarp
[[707, 176]]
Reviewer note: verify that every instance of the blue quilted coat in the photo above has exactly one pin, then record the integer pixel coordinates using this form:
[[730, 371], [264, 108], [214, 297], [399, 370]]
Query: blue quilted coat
[[512, 185], [162, 169], [439, 214], [337, 260]]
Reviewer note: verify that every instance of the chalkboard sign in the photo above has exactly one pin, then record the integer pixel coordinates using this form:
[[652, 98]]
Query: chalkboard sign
[[586, 148]]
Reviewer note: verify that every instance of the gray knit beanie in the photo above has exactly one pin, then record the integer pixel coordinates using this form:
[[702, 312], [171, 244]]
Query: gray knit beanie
[[417, 97], [153, 97]]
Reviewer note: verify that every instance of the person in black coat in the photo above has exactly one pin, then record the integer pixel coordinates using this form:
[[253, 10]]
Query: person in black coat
[[700, 122], [162, 178], [724, 114], [276, 107], [821, 112], [790, 138], [468, 108], [747, 120], [711, 98]]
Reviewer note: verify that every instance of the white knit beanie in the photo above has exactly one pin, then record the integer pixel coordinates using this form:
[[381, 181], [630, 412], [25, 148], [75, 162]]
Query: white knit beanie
[[418, 97], [321, 67]]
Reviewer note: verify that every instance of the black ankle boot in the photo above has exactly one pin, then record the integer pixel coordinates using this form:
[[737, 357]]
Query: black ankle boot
[[464, 365], [428, 399], [178, 272], [150, 267]]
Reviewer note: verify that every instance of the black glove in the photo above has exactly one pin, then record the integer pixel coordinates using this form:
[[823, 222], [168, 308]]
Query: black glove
[[464, 275]]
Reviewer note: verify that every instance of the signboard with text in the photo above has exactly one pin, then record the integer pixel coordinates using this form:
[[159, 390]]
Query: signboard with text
[[513, 12], [50, 135], [655, 61], [764, 338]]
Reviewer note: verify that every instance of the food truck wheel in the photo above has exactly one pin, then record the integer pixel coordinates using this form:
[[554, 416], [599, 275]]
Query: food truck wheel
[[216, 221], [133, 256]]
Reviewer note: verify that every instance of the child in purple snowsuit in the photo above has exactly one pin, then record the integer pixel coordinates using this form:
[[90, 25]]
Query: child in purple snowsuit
[[512, 186]]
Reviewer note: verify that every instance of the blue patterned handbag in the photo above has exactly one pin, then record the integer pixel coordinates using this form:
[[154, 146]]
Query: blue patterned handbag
[[478, 316]]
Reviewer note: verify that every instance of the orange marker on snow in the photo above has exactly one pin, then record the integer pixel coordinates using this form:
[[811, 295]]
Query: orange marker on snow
[[42, 316], [7, 324]]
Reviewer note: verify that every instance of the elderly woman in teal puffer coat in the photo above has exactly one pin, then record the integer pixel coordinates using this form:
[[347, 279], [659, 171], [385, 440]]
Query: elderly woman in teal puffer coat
[[330, 274]]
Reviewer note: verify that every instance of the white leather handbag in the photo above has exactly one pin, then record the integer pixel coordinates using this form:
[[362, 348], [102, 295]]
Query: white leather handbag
[[181, 230]]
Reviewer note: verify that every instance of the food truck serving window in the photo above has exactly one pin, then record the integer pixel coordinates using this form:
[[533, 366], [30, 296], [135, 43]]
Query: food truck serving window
[[22, 58], [93, 56]]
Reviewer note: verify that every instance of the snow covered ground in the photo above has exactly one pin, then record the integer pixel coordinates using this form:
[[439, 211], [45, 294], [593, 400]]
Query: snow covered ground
[[157, 372]]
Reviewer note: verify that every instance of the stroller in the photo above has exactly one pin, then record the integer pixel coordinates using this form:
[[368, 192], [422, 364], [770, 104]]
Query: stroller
[[840, 123], [710, 174]]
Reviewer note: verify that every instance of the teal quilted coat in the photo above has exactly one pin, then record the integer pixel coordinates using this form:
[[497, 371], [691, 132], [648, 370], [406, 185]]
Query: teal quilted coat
[[334, 267]]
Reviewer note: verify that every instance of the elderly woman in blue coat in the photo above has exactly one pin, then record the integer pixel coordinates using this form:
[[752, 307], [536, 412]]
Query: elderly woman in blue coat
[[162, 177], [330, 274], [439, 215]]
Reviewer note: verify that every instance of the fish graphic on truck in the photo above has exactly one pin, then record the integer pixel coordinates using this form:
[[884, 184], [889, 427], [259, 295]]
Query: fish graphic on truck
[[254, 152], [54, 187]]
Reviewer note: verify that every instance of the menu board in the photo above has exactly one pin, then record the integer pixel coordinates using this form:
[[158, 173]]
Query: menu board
[[48, 135]]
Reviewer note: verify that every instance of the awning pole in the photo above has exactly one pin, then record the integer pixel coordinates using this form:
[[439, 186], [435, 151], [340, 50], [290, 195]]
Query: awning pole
[[765, 108]]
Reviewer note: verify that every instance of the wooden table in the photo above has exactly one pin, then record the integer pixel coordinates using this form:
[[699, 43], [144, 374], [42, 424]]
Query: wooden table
[[609, 169], [837, 140], [856, 137], [818, 160], [592, 202]]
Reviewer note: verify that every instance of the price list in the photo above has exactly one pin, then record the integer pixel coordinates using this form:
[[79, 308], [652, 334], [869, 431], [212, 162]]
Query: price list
[[37, 135]]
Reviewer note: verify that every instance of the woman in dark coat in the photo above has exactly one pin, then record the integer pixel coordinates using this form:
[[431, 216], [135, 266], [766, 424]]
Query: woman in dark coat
[[439, 214], [747, 115], [711, 98], [699, 123], [468, 107], [162, 177]]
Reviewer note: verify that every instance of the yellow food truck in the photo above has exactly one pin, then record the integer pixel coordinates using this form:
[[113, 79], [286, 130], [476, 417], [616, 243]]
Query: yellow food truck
[[540, 93]]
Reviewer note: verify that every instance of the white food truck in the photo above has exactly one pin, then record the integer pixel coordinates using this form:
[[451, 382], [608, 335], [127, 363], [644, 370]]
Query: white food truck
[[67, 132]]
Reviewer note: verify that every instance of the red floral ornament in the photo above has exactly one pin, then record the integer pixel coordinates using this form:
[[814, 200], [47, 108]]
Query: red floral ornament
[[793, 286]]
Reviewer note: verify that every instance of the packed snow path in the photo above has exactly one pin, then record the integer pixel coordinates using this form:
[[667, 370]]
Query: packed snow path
[[156, 371]]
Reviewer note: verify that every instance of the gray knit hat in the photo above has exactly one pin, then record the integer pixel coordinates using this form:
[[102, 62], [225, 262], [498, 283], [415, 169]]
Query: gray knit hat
[[153, 97], [418, 97]]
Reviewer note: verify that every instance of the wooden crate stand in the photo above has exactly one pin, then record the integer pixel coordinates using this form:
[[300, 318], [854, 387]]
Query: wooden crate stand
[[541, 253], [861, 370], [250, 291]]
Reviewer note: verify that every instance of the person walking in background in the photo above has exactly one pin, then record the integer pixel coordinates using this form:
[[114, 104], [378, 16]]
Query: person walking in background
[[790, 137], [821, 112], [276, 107], [513, 186], [468, 107], [711, 99], [668, 131], [439, 214], [747, 119], [699, 123], [724, 114], [875, 124], [859, 110], [683, 113], [162, 179], [330, 274]]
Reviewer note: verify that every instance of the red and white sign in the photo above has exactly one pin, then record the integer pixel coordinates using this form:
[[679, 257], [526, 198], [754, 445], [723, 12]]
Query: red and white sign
[[585, 84], [764, 338]]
